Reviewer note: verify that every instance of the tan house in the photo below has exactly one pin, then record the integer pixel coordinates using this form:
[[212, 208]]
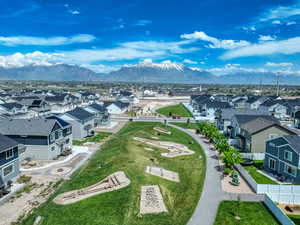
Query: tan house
[[256, 132]]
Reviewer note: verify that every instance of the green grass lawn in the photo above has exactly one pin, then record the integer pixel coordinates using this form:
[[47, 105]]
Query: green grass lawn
[[250, 213], [258, 177], [295, 218], [178, 110], [100, 136], [186, 125], [121, 207]]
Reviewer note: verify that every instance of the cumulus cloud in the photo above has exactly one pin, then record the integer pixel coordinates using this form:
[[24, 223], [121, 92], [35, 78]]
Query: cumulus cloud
[[43, 41], [215, 42], [34, 58], [287, 47], [282, 64], [266, 38], [188, 61], [281, 12]]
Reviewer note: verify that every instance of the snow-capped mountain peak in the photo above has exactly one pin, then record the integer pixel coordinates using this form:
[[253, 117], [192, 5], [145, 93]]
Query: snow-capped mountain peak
[[165, 65]]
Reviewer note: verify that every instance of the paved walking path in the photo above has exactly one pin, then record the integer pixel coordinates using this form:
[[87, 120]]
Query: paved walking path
[[212, 193]]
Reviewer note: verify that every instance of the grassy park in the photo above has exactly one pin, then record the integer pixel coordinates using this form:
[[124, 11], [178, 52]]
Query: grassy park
[[244, 213], [99, 137], [122, 153], [178, 110]]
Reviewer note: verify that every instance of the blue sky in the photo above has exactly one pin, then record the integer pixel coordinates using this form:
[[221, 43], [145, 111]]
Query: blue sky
[[219, 36]]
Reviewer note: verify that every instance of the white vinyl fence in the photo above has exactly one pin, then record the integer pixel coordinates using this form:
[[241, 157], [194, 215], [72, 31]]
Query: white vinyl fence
[[283, 194], [254, 156]]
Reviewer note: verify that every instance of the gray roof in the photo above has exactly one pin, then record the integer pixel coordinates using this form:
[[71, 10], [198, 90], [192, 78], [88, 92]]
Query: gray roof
[[80, 114], [227, 114], [11, 105], [242, 119], [6, 143], [35, 127], [258, 124], [294, 141]]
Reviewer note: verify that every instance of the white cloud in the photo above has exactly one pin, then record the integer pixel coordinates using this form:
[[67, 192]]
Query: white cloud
[[291, 23], [282, 64], [143, 23], [74, 12], [50, 41], [281, 12], [214, 42], [172, 47], [34, 58], [287, 47], [188, 61], [266, 38], [276, 22]]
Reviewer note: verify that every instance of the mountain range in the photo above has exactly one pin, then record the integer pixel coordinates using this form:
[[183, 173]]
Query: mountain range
[[142, 72]]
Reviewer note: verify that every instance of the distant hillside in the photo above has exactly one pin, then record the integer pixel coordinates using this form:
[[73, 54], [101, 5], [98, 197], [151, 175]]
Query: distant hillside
[[59, 72], [142, 72]]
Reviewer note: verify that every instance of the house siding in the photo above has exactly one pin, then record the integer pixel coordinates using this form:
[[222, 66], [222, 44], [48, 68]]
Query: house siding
[[259, 139], [277, 153]]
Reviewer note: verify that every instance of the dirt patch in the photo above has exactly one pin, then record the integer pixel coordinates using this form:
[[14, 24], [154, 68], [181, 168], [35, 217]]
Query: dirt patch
[[113, 182]]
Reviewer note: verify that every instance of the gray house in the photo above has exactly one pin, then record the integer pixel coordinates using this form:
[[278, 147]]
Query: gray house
[[253, 131], [282, 158], [100, 112], [45, 139], [83, 122], [9, 162]]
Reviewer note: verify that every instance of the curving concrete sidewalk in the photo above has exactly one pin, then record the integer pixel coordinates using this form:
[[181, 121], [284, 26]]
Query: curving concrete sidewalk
[[212, 193]]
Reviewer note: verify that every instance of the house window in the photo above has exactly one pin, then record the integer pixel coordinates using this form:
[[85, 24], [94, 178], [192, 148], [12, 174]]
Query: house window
[[56, 135], [8, 170], [290, 170], [288, 155], [272, 144], [52, 137], [272, 164], [9, 154]]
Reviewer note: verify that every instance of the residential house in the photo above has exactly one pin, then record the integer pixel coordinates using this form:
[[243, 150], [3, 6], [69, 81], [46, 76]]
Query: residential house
[[9, 162], [14, 110], [253, 131], [224, 117], [45, 139], [211, 108], [60, 103], [100, 112], [116, 107], [282, 158], [83, 122], [254, 102]]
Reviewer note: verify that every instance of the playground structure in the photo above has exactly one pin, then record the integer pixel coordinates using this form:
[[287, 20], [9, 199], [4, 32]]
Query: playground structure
[[113, 182], [165, 174], [162, 130], [174, 149], [151, 200]]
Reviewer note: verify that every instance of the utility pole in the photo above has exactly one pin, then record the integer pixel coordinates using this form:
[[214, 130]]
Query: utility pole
[[277, 84]]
